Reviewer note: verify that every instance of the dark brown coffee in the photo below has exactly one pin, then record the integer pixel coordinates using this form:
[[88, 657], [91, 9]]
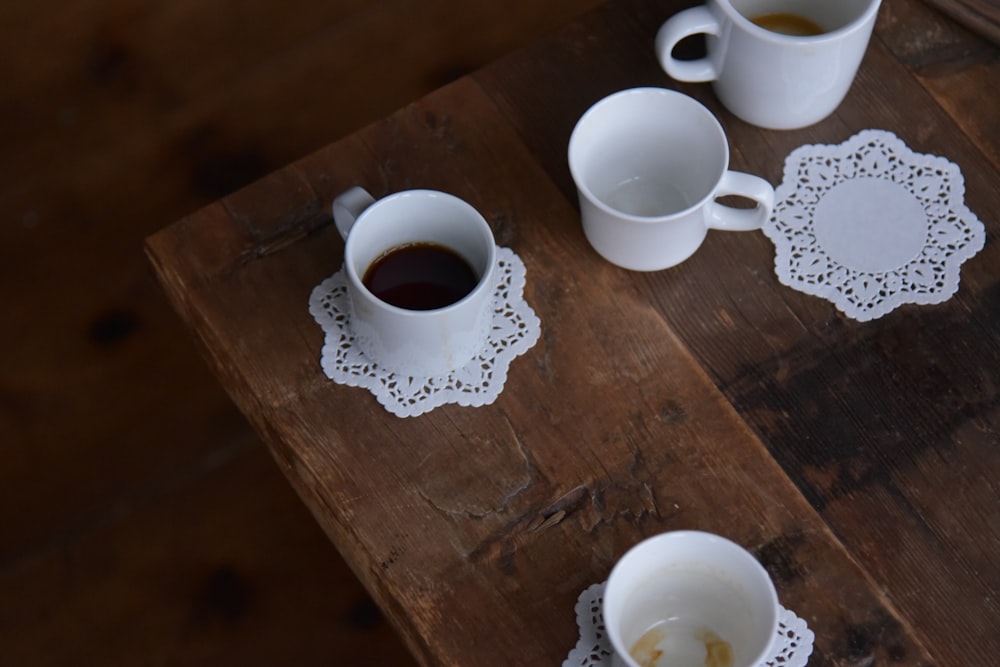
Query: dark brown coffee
[[420, 276], [788, 24]]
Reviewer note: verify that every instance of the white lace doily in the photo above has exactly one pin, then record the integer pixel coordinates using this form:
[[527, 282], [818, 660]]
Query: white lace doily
[[792, 646], [871, 225], [515, 330]]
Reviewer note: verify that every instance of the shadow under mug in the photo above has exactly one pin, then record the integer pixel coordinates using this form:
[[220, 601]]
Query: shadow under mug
[[767, 78], [416, 343], [649, 164]]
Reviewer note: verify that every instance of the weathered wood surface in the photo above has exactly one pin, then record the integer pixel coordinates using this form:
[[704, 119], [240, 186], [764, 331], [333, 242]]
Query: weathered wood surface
[[608, 422], [889, 428], [858, 461], [983, 16]]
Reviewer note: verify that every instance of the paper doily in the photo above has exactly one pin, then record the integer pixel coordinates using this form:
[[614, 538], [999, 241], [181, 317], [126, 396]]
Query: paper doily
[[870, 225], [792, 646], [515, 330]]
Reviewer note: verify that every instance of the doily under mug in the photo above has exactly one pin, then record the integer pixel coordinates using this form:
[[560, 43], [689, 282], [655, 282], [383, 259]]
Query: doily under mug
[[793, 643], [515, 329], [870, 225]]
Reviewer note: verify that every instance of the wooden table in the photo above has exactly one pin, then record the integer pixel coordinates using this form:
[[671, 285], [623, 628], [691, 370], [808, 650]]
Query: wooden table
[[859, 461]]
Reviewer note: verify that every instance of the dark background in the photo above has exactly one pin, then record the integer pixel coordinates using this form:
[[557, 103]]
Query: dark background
[[141, 521]]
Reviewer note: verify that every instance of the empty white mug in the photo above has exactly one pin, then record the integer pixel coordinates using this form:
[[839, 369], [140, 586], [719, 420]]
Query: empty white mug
[[688, 599], [416, 343], [649, 164], [773, 80]]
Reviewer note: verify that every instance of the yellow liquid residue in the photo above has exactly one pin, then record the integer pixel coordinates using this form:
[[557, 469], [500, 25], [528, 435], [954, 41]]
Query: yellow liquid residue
[[719, 653], [788, 24], [647, 652]]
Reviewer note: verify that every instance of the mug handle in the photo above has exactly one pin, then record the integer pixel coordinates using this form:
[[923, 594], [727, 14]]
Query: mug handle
[[720, 216], [348, 206], [693, 21]]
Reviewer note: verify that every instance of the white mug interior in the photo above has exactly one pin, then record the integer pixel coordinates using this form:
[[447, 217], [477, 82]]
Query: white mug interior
[[688, 594], [648, 153]]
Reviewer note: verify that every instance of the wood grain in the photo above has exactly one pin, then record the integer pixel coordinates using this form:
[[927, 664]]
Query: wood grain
[[440, 515], [983, 16], [874, 422], [857, 460]]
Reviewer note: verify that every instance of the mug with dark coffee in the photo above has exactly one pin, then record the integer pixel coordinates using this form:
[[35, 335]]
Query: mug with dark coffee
[[420, 273], [778, 64]]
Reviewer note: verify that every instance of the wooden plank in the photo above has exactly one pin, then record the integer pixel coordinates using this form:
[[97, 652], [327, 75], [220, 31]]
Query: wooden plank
[[608, 422], [983, 16], [875, 422], [956, 67]]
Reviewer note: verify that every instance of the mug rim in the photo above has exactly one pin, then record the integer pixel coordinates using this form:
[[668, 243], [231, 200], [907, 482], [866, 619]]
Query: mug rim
[[485, 280], [583, 186], [778, 38]]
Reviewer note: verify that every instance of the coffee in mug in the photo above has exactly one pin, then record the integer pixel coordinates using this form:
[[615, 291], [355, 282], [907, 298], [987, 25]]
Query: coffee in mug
[[420, 267], [420, 276], [778, 64], [786, 23]]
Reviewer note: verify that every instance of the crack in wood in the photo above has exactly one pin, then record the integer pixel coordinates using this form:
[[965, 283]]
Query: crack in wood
[[506, 541]]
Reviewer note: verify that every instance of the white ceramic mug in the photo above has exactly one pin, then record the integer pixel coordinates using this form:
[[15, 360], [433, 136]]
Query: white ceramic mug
[[416, 343], [769, 79], [693, 599], [649, 164]]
